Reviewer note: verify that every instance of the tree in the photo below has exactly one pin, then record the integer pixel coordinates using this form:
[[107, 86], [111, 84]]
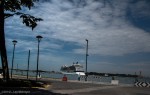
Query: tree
[[12, 7]]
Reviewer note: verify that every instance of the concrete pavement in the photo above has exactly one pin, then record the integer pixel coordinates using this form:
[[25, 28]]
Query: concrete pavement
[[76, 88], [117, 91], [58, 87]]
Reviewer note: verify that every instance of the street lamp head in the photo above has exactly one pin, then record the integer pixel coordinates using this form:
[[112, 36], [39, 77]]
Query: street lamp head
[[86, 39], [39, 37], [14, 42]]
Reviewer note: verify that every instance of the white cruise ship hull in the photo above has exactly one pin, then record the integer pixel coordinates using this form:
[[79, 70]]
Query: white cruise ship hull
[[75, 73]]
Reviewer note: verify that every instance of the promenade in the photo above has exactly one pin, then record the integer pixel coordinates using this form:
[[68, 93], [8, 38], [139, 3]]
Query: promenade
[[59, 87], [85, 88], [76, 88]]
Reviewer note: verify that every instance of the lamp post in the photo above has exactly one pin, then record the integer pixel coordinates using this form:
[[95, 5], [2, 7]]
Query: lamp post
[[28, 63], [86, 60], [17, 68], [14, 42], [39, 39]]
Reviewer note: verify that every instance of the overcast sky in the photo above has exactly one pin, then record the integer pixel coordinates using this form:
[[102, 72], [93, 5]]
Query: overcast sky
[[118, 32]]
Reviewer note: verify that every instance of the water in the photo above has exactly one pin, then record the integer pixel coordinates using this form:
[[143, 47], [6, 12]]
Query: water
[[92, 78]]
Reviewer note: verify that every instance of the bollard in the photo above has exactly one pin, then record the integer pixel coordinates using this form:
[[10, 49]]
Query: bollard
[[78, 78], [64, 78]]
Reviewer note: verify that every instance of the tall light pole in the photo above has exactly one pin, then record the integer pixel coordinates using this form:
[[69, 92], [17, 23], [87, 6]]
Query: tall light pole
[[17, 66], [39, 39], [28, 63], [86, 59], [14, 42]]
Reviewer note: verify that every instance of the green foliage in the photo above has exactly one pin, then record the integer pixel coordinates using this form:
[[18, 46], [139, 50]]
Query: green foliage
[[27, 3], [14, 5], [29, 20]]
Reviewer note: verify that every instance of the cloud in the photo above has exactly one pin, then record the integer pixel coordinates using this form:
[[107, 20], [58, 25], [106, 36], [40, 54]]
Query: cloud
[[137, 9], [104, 23]]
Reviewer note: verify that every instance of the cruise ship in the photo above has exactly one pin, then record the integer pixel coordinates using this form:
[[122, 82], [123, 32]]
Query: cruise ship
[[75, 68]]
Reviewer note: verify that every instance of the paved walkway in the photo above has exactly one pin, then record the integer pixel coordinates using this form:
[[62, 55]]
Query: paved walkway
[[117, 91], [58, 87], [76, 88], [87, 90]]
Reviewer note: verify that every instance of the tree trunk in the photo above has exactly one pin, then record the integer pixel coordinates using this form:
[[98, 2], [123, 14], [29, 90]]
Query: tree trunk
[[2, 43]]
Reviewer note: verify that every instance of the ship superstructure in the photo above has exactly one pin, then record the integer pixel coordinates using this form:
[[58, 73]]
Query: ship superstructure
[[76, 68]]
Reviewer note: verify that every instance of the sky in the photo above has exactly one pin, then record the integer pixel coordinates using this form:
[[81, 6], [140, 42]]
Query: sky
[[118, 32]]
